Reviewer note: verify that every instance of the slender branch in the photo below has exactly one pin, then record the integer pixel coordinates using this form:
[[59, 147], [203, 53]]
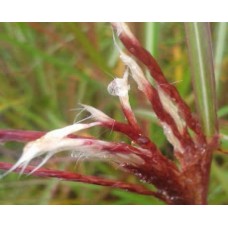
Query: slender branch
[[152, 156], [26, 136], [69, 176], [132, 44], [19, 135], [135, 48]]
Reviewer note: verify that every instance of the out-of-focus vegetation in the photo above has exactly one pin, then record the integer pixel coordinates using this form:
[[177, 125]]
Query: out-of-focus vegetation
[[47, 69]]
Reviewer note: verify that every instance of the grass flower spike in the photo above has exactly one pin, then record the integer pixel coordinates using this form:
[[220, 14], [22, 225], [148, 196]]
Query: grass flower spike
[[182, 180]]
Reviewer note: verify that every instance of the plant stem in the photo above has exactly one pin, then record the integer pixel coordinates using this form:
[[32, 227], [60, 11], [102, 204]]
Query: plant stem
[[68, 176], [201, 60], [219, 51]]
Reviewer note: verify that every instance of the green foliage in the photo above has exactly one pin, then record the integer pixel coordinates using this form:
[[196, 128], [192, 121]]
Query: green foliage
[[201, 60]]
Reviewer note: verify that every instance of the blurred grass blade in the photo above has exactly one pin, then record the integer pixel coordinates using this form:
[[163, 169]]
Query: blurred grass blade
[[131, 198], [51, 59], [224, 136], [151, 30], [201, 60], [221, 176], [219, 51], [147, 114], [224, 143], [223, 111], [151, 37], [92, 53]]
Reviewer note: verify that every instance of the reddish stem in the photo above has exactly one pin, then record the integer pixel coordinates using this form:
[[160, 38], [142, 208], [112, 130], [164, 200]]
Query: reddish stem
[[153, 159], [25, 136], [69, 176], [135, 48], [195, 161]]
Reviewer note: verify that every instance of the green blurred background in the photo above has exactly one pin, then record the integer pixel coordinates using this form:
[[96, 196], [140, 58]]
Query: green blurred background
[[47, 69]]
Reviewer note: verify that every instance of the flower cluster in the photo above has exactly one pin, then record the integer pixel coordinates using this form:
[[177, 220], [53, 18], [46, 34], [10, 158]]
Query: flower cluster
[[176, 184]]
